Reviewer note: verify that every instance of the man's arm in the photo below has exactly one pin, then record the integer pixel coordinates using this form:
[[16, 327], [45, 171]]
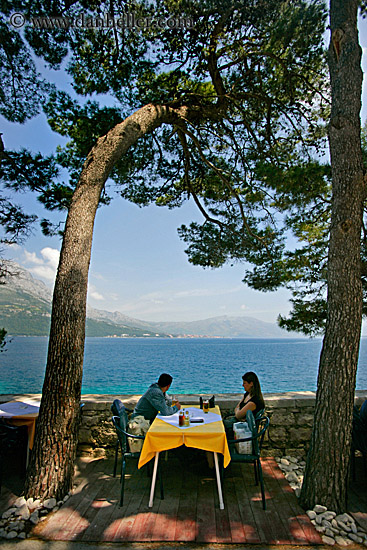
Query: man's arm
[[158, 401]]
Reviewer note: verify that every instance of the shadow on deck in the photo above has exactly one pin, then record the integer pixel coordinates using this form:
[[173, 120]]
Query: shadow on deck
[[190, 510]]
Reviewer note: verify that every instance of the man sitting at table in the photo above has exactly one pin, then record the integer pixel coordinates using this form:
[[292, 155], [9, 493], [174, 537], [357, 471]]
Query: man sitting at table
[[155, 400]]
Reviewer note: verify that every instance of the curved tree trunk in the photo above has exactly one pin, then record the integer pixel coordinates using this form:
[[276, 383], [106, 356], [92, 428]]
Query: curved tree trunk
[[327, 467], [52, 462]]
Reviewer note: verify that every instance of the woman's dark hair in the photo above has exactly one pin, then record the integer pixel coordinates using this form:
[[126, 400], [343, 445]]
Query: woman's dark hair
[[256, 389], [164, 380]]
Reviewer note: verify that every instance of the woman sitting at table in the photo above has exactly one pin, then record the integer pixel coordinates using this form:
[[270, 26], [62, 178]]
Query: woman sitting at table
[[252, 401]]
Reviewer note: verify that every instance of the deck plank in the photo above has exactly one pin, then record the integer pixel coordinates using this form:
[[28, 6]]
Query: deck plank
[[186, 513]]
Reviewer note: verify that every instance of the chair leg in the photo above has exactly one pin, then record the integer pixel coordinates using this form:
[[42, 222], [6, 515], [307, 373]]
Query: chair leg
[[116, 458], [256, 473], [122, 481], [261, 484]]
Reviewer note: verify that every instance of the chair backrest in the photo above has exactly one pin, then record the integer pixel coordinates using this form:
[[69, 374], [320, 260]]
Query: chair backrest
[[258, 427], [118, 409], [122, 437]]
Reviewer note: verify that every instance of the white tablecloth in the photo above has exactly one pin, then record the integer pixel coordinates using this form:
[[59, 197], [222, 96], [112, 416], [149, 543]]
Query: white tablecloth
[[194, 413], [17, 408]]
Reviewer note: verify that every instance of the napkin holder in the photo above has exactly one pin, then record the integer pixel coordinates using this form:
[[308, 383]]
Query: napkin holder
[[211, 402]]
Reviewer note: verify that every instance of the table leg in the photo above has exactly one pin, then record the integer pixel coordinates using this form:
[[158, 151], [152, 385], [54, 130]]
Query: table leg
[[221, 504], [154, 477]]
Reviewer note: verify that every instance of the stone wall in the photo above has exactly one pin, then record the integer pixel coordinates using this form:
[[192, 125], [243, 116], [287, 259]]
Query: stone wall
[[290, 413]]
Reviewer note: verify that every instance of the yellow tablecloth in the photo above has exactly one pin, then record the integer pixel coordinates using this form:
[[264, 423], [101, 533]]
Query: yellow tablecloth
[[162, 436]]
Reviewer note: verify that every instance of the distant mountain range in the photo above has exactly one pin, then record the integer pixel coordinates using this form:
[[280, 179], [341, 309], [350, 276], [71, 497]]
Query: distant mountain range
[[25, 309]]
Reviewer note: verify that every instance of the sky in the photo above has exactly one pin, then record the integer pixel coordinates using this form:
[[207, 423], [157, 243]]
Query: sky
[[138, 263]]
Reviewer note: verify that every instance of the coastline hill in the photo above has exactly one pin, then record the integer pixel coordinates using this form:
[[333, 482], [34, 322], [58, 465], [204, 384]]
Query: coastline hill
[[25, 309]]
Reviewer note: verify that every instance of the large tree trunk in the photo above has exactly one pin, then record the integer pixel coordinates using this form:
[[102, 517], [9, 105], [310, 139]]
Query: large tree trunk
[[327, 467], [52, 462]]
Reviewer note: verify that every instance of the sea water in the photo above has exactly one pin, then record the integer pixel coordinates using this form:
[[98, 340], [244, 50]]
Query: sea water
[[200, 365]]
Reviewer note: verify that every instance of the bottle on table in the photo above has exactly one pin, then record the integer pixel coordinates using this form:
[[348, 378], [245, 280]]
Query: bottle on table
[[187, 418], [181, 418]]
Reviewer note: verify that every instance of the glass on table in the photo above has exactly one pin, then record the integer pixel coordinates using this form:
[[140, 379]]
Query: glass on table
[[174, 400], [206, 405]]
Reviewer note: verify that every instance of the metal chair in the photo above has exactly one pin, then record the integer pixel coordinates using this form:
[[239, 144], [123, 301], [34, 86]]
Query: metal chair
[[123, 436], [258, 428], [119, 409]]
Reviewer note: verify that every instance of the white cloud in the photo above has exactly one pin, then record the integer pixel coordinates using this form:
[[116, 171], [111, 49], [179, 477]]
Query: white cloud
[[31, 257], [93, 293], [44, 266], [51, 255], [243, 306], [96, 295]]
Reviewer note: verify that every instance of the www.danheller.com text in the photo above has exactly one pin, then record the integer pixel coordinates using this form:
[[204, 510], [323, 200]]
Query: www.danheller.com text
[[128, 20]]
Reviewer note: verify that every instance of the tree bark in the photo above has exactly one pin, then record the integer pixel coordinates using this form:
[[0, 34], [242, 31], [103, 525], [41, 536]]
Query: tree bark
[[51, 468], [327, 466]]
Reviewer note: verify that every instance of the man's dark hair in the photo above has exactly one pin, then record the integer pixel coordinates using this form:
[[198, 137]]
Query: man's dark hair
[[164, 380]]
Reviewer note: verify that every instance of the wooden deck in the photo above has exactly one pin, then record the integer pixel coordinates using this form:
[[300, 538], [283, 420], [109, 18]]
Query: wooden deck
[[189, 511]]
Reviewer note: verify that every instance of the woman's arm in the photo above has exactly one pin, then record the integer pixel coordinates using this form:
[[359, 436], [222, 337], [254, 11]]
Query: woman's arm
[[240, 414]]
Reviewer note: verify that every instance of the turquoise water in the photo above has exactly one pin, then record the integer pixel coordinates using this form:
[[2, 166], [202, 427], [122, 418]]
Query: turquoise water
[[207, 365]]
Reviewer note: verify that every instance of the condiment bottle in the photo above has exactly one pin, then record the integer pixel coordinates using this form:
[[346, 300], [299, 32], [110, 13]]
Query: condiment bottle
[[187, 418], [181, 418]]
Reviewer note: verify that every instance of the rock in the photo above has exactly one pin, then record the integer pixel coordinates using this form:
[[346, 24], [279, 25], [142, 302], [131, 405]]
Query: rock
[[21, 501], [34, 517], [66, 497], [354, 528], [326, 523], [355, 538], [320, 528], [11, 535], [22, 535], [342, 541], [291, 476], [60, 503], [9, 513], [329, 515], [297, 492], [284, 461], [34, 505], [50, 503], [319, 509], [344, 526], [334, 523], [17, 525], [23, 512], [2, 533], [311, 514], [328, 540], [344, 518], [293, 459], [329, 533], [319, 520]]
